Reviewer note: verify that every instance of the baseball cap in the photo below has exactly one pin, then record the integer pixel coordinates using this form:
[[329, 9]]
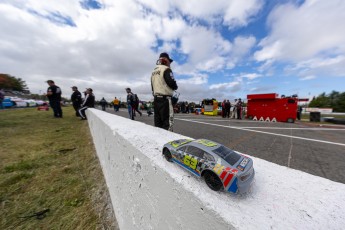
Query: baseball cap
[[128, 89], [89, 89], [74, 87], [50, 81], [165, 55]]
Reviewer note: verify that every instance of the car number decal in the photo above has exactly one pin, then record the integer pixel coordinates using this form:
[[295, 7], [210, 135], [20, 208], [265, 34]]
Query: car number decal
[[190, 161]]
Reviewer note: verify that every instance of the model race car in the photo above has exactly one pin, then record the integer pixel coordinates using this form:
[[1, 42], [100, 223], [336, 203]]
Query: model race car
[[221, 167]]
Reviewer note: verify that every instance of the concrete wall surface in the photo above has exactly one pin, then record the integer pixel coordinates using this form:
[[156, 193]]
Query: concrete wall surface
[[148, 192]]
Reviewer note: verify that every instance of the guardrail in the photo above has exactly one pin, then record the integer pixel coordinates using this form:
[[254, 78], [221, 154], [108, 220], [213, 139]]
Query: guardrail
[[147, 192]]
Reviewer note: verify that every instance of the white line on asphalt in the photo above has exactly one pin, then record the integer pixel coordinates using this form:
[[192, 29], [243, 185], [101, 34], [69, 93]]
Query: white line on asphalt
[[257, 131], [282, 128]]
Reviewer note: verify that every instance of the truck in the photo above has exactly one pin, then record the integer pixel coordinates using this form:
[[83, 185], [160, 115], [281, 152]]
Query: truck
[[271, 107]]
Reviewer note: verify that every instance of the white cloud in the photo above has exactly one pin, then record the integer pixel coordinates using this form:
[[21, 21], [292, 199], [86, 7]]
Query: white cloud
[[251, 76], [238, 12], [118, 45], [310, 77], [194, 80], [222, 86], [302, 32], [235, 13]]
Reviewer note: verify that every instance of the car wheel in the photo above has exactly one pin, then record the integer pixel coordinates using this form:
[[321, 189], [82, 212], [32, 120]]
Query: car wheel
[[213, 181], [290, 120], [167, 155]]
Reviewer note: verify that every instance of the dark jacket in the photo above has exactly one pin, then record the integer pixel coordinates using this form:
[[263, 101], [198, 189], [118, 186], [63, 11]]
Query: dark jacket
[[76, 98], [56, 93], [89, 101]]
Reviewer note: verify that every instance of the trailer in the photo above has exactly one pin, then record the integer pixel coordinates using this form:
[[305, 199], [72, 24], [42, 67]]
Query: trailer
[[271, 107]]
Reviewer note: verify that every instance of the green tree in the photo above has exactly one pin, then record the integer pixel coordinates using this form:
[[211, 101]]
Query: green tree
[[340, 104], [12, 83], [334, 100]]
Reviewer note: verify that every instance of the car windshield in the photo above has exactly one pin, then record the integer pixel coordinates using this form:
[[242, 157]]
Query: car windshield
[[227, 154]]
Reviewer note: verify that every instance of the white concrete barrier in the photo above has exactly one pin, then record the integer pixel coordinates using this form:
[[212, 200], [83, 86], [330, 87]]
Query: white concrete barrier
[[148, 192]]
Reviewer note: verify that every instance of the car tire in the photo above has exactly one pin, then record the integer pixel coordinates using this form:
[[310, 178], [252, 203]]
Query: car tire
[[167, 155], [290, 120], [213, 181]]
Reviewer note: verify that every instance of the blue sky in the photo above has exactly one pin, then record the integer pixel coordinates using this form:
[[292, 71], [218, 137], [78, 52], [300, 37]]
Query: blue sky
[[224, 49]]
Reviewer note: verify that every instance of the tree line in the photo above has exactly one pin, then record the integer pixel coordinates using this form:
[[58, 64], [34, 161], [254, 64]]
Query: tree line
[[8, 82], [335, 100]]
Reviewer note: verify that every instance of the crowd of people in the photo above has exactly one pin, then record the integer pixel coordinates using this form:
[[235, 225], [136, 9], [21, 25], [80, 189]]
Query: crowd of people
[[80, 105], [234, 111], [163, 86]]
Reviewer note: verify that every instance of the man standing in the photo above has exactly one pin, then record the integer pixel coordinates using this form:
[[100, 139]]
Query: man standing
[[130, 103], [239, 109], [116, 103], [163, 85], [103, 103], [227, 108], [234, 110], [223, 109], [54, 97], [76, 100], [89, 102], [136, 104]]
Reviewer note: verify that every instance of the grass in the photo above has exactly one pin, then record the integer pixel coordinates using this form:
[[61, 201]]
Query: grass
[[48, 163]]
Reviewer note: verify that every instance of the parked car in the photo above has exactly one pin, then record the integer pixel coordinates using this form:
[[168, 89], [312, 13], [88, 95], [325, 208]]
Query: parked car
[[19, 102], [7, 103], [221, 167]]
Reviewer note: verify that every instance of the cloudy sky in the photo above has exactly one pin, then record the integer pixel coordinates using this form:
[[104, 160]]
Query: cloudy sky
[[221, 49]]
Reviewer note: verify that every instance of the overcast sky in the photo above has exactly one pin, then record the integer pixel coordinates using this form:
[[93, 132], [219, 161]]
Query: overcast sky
[[221, 48]]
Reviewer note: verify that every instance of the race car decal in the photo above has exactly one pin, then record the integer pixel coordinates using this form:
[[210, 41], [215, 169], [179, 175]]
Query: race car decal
[[190, 161], [178, 143], [233, 188], [206, 143], [231, 174], [243, 164], [224, 173], [186, 167], [218, 168]]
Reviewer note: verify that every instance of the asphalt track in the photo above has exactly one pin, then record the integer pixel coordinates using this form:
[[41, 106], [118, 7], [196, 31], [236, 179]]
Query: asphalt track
[[312, 148]]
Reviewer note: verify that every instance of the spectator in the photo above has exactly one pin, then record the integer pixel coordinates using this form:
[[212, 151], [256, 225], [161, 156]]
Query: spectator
[[130, 103], [299, 112], [116, 103], [223, 108], [239, 109], [103, 103], [89, 102], [187, 107], [183, 107], [227, 108], [136, 104], [234, 110], [76, 100], [163, 85], [54, 97]]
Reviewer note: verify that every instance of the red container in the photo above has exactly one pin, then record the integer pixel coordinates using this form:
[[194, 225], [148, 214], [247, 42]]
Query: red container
[[271, 107]]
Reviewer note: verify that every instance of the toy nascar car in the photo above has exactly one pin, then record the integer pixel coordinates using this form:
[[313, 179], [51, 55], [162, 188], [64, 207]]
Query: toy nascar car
[[221, 167]]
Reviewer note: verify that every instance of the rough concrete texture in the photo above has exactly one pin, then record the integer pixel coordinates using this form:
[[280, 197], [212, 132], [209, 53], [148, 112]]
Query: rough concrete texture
[[148, 192]]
